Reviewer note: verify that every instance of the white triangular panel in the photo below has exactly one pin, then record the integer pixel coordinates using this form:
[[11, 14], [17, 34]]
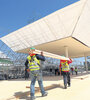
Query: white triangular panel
[[69, 17], [82, 31]]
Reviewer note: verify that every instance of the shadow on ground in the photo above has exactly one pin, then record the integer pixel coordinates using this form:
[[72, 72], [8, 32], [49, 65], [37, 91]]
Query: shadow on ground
[[25, 95]]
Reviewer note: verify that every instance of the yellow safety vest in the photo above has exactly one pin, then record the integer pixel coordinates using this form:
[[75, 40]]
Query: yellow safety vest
[[34, 63], [76, 69], [65, 66]]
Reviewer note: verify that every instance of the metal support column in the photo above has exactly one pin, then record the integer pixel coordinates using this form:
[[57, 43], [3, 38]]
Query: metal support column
[[66, 51], [86, 66]]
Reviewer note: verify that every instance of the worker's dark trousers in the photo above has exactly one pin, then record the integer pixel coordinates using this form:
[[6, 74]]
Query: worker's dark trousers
[[76, 72], [66, 78]]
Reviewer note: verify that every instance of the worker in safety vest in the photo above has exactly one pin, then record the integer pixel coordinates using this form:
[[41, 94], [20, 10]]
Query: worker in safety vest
[[33, 60], [64, 67], [76, 70]]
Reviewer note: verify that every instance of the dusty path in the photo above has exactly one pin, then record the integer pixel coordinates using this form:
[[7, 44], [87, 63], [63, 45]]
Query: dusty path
[[79, 90]]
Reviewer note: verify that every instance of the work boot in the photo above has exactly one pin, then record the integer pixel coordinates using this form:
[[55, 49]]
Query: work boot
[[65, 86], [32, 98], [45, 94], [69, 85]]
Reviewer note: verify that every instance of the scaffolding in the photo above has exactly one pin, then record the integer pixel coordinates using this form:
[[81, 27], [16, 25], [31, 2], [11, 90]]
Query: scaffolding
[[13, 63]]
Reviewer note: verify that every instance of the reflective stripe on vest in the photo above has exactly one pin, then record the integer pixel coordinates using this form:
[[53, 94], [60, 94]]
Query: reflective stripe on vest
[[34, 63], [65, 66]]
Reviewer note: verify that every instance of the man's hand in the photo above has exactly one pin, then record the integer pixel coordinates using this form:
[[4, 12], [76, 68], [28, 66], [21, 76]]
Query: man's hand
[[41, 53], [70, 59], [28, 70]]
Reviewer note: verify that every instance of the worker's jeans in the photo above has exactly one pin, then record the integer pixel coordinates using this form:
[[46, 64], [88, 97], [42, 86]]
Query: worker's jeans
[[66, 78], [36, 75]]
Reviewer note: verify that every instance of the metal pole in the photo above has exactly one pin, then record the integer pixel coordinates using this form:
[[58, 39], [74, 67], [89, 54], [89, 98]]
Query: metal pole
[[86, 66], [66, 51], [81, 67]]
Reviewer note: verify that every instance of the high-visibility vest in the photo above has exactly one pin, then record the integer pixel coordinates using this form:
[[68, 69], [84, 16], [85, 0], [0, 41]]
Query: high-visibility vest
[[65, 66], [76, 69], [34, 63]]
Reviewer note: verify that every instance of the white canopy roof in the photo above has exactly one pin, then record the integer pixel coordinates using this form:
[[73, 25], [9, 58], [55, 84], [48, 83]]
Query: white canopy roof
[[69, 27]]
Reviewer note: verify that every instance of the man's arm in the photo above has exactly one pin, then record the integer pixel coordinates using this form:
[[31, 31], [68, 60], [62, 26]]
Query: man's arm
[[40, 57], [60, 70], [60, 67], [26, 65], [70, 61]]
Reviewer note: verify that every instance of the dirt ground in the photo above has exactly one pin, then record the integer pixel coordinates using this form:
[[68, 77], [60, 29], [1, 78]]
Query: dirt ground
[[16, 89]]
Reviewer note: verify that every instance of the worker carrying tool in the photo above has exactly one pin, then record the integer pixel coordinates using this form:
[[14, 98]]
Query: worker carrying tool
[[64, 68], [34, 67]]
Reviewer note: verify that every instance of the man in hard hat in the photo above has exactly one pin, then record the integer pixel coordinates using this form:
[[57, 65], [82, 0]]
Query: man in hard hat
[[64, 67], [34, 67]]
